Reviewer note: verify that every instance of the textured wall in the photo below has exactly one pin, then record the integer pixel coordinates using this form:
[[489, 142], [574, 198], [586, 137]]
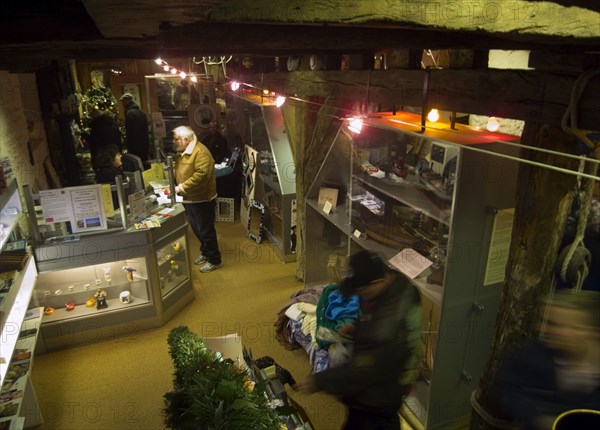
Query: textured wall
[[22, 133]]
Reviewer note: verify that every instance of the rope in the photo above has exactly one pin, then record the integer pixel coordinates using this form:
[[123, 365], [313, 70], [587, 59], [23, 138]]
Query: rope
[[569, 119], [569, 125]]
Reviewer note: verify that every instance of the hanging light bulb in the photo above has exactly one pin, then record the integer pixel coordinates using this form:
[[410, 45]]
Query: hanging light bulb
[[183, 75], [279, 101], [355, 125], [492, 124], [433, 115], [193, 78], [158, 61], [265, 92], [235, 86], [166, 68], [173, 71]]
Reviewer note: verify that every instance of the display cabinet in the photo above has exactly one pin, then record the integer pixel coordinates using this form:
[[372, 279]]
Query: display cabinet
[[260, 125], [172, 265], [436, 203], [18, 324], [109, 284]]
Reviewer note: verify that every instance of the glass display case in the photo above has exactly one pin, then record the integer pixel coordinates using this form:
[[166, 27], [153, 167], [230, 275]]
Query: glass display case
[[82, 291], [172, 265], [260, 125], [428, 201], [99, 285]]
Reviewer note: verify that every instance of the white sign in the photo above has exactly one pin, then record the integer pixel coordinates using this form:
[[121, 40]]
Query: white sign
[[137, 205], [88, 208], [82, 206], [499, 247], [410, 262]]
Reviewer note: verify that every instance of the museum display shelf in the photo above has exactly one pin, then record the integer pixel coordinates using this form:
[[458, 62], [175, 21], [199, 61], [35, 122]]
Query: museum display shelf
[[436, 203]]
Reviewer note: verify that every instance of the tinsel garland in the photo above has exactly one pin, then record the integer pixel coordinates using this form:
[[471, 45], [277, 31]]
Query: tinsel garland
[[210, 393]]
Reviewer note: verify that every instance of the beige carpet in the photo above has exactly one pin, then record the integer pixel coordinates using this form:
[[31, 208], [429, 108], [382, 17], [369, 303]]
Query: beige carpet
[[119, 383]]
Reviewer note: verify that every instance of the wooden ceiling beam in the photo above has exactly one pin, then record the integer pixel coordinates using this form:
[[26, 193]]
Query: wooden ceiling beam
[[517, 94], [297, 39]]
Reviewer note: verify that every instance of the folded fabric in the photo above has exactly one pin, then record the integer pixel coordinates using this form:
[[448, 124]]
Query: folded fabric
[[342, 307], [293, 312]]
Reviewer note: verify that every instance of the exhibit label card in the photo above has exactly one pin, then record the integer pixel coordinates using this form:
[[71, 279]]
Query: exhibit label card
[[137, 205], [410, 262]]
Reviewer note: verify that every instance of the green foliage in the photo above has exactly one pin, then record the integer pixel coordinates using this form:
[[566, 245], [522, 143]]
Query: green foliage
[[209, 393], [97, 98]]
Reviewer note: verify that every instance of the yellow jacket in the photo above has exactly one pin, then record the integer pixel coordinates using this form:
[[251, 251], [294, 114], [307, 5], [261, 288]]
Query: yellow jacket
[[195, 172]]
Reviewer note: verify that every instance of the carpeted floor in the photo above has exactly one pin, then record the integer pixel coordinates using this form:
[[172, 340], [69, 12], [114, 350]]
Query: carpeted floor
[[119, 383]]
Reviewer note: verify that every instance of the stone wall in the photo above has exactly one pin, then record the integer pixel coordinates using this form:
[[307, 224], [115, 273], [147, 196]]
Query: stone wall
[[22, 133]]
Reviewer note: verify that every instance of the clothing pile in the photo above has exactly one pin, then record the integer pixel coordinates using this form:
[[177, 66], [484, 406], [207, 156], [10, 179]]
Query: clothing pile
[[313, 320]]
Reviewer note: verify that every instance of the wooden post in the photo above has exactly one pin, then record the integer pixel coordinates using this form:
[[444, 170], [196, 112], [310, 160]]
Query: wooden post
[[544, 199]]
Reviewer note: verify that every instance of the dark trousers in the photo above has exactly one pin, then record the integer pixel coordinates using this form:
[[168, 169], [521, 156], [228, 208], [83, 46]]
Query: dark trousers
[[201, 217], [365, 420]]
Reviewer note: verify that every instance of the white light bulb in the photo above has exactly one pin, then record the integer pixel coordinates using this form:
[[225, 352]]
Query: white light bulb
[[492, 124], [235, 86], [279, 101], [433, 115], [355, 125], [158, 61]]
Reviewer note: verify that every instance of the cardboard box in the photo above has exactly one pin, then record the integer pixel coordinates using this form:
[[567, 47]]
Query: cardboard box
[[230, 346], [328, 195]]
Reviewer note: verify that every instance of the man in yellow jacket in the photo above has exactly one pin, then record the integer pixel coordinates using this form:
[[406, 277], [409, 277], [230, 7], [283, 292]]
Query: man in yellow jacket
[[196, 183]]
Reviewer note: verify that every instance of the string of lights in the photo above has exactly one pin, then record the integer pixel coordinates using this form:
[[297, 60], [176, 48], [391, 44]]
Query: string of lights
[[355, 120]]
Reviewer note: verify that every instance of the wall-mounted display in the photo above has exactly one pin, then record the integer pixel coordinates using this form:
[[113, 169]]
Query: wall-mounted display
[[425, 201], [269, 169]]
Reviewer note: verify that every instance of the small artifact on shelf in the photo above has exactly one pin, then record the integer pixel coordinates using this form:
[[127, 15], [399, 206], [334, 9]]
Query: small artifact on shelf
[[177, 247], [90, 302], [48, 311], [70, 306], [100, 299], [129, 271], [125, 297], [175, 268]]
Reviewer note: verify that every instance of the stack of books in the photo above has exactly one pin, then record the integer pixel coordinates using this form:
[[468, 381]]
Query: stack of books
[[14, 255]]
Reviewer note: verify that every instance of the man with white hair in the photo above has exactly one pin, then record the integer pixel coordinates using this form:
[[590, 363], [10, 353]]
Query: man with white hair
[[196, 183]]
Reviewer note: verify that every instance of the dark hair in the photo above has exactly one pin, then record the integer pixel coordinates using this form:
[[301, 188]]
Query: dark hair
[[106, 155]]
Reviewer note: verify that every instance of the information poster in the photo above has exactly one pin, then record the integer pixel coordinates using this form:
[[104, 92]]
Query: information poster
[[88, 208], [55, 205], [410, 262], [499, 247], [82, 206]]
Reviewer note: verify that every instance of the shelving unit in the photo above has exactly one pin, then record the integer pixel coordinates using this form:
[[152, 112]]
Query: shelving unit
[[435, 191], [18, 404], [261, 128], [17, 396]]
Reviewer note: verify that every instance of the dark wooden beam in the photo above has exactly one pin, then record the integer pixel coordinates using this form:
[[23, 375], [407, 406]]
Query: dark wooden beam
[[525, 95], [297, 39]]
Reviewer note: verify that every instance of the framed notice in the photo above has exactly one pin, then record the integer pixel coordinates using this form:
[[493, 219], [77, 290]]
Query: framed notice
[[499, 247], [328, 195]]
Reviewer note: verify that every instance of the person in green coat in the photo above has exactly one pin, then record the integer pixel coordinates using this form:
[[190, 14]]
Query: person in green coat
[[387, 341]]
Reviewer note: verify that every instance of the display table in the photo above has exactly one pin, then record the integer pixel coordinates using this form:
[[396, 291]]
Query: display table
[[112, 284]]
